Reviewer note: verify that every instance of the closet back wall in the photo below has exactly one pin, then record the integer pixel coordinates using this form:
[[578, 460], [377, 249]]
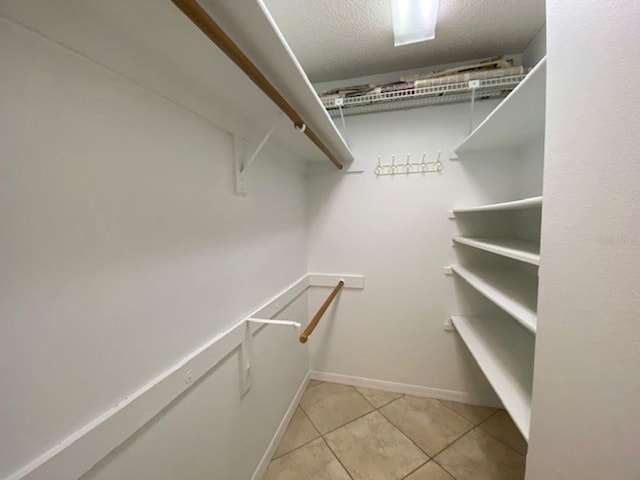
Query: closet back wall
[[122, 250], [395, 231]]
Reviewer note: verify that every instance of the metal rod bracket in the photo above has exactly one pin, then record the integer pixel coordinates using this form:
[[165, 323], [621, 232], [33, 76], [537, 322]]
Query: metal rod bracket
[[266, 321], [247, 347]]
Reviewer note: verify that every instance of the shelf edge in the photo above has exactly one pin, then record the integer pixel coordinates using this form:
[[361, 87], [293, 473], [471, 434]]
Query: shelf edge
[[464, 273], [507, 99], [520, 255], [523, 424], [522, 204]]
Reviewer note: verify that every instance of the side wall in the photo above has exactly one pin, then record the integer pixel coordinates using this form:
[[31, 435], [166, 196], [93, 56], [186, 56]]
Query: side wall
[[585, 418], [122, 250], [395, 231], [536, 49]]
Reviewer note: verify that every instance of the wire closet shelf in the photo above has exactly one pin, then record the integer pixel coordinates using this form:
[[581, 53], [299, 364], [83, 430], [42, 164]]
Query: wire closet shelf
[[422, 96]]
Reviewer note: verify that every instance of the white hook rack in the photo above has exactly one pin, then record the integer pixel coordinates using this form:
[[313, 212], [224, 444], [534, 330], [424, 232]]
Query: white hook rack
[[408, 168]]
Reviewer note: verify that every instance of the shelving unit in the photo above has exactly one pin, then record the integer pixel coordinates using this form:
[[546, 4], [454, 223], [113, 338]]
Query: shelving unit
[[504, 347], [505, 357], [518, 119], [528, 252], [171, 57], [513, 291], [523, 204], [494, 88]]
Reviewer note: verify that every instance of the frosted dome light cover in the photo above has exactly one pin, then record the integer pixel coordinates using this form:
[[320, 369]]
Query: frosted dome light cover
[[414, 20]]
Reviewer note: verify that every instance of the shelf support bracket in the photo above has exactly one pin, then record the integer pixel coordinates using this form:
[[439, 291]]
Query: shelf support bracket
[[247, 347], [339, 103], [242, 162], [473, 85]]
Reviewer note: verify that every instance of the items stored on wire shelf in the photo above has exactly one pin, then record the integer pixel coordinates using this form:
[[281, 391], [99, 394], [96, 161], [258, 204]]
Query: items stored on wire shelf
[[494, 78]]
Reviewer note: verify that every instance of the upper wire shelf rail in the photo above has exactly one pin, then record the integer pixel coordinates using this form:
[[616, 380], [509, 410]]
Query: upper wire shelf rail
[[422, 96]]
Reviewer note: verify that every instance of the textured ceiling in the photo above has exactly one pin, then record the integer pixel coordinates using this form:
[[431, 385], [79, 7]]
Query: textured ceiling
[[337, 39]]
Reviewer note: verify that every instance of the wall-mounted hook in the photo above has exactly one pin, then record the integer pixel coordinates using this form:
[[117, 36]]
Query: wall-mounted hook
[[408, 168], [379, 170], [438, 165], [423, 164]]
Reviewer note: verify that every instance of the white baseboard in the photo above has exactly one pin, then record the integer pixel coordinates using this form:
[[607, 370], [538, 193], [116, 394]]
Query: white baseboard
[[405, 388], [275, 441]]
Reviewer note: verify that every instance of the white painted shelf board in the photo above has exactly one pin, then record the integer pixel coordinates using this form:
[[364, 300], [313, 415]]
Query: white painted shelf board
[[517, 120], [255, 31], [172, 58], [523, 204], [521, 250], [507, 362], [513, 291]]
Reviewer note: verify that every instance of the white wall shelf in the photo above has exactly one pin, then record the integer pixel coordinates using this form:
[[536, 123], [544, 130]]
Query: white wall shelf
[[172, 58], [504, 349], [523, 204], [505, 356], [513, 291], [517, 120], [528, 252], [493, 88]]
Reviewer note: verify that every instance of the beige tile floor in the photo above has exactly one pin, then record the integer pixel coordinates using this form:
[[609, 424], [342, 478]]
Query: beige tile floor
[[340, 432]]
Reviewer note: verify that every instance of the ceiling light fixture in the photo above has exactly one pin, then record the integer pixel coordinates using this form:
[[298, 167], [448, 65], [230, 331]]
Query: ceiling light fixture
[[414, 20]]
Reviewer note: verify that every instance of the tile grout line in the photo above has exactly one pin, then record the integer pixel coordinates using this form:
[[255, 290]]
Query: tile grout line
[[502, 441], [449, 444], [336, 457], [363, 415], [468, 419], [480, 423], [455, 440], [402, 395], [390, 422], [309, 418], [305, 443], [459, 438], [416, 469], [465, 433], [377, 409], [322, 435], [365, 398], [347, 423], [444, 469], [402, 432], [294, 449], [307, 415]]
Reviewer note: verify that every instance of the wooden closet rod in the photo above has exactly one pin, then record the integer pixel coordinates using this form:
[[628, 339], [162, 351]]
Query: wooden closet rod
[[193, 10], [314, 322]]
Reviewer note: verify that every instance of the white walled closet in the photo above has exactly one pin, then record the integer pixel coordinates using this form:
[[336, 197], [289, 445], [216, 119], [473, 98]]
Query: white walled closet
[[136, 280]]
